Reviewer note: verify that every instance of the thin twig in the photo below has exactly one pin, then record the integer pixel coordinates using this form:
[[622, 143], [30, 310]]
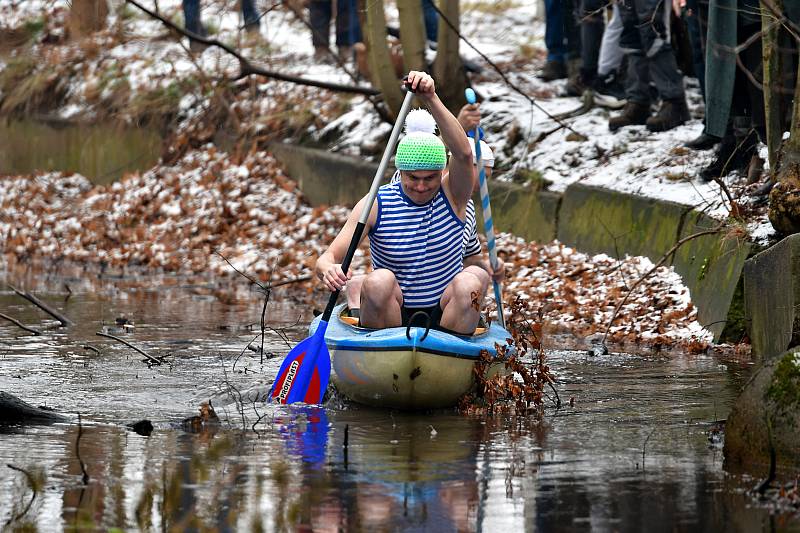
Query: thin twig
[[246, 68], [647, 274], [644, 446], [31, 484], [44, 307], [78, 451], [20, 324], [149, 357]]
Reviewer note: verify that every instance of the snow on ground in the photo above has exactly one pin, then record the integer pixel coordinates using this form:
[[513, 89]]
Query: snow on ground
[[147, 57]]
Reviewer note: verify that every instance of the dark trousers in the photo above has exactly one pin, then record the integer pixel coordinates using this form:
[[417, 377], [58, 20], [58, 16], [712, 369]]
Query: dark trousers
[[592, 20], [191, 16], [431, 20], [348, 29], [561, 34], [646, 41]]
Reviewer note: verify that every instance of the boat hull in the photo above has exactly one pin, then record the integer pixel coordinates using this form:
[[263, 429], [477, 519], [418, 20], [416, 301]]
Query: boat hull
[[405, 368]]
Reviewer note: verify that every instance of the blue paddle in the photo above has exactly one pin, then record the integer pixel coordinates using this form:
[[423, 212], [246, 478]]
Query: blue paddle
[[488, 224], [304, 374]]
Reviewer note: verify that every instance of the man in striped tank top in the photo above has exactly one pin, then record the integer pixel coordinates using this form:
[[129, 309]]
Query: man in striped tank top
[[416, 229]]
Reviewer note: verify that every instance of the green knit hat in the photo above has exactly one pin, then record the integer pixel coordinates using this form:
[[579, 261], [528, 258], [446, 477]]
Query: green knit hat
[[420, 149]]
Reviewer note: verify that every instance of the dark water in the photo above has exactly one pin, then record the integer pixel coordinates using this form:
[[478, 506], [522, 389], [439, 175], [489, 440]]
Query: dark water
[[578, 468]]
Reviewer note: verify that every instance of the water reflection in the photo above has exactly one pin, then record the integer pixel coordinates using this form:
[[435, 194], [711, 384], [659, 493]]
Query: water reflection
[[631, 455]]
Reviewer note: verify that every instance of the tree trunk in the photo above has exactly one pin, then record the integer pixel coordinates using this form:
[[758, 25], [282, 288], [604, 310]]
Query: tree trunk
[[784, 198], [772, 77], [448, 71], [412, 34], [86, 17], [380, 62]]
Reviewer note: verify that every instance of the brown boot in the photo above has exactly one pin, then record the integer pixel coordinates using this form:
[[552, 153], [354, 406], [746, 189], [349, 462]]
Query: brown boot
[[671, 114], [632, 113]]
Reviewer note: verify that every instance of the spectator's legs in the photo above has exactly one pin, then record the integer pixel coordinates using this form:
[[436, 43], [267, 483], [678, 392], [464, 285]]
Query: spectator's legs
[[653, 26], [556, 66], [591, 18], [431, 20], [191, 16], [320, 19], [592, 21], [610, 57], [348, 29], [250, 15], [637, 81], [554, 31], [572, 30]]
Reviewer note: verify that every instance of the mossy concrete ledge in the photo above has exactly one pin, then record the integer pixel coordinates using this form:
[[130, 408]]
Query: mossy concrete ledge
[[772, 298], [765, 419], [596, 220], [326, 178]]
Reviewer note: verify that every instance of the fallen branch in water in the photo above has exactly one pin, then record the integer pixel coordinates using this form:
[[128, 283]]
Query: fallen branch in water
[[44, 307], [85, 476], [32, 485], [149, 357], [20, 324]]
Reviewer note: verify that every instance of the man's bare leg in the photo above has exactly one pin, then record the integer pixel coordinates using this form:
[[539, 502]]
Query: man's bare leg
[[353, 291], [381, 300], [459, 313]]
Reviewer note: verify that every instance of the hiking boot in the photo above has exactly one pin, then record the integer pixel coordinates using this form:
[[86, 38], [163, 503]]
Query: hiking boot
[[323, 55], [733, 154], [345, 54], [553, 70], [704, 141], [577, 85], [609, 92], [671, 114], [633, 113]]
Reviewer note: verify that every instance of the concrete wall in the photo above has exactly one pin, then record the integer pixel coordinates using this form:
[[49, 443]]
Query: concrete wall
[[591, 219], [772, 297]]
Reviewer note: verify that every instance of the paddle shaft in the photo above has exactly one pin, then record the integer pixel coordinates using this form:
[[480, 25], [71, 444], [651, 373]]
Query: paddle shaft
[[373, 192], [488, 223]]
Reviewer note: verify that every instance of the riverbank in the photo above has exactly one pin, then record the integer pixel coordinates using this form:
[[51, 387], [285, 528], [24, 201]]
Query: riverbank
[[212, 213]]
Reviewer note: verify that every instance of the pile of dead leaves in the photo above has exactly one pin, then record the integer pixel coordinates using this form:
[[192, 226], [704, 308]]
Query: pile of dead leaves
[[517, 376], [188, 217]]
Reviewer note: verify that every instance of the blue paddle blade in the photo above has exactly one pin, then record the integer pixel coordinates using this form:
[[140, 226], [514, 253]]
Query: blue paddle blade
[[304, 374]]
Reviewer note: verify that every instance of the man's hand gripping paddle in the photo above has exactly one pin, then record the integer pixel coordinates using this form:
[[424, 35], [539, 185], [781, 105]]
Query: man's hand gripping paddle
[[304, 374], [488, 224]]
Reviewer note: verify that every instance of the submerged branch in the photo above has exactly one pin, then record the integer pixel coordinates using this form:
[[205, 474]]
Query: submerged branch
[[20, 324], [32, 485], [149, 357], [44, 307]]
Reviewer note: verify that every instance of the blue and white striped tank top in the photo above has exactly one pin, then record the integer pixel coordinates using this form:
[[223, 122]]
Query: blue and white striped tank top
[[423, 245]]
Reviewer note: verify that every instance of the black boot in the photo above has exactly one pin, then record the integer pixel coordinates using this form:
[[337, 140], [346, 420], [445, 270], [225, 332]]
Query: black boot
[[577, 85], [733, 154], [632, 113], [553, 70], [671, 114]]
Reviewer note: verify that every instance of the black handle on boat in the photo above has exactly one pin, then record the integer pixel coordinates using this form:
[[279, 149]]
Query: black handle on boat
[[427, 325]]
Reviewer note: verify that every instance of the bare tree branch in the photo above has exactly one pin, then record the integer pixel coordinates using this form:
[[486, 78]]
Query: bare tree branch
[[246, 68]]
